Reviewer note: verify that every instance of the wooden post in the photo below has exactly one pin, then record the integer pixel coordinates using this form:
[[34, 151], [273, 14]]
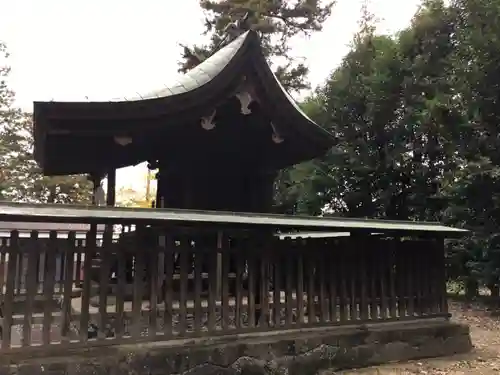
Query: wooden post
[[111, 188], [96, 182], [219, 265], [160, 200], [162, 242], [441, 266], [110, 202]]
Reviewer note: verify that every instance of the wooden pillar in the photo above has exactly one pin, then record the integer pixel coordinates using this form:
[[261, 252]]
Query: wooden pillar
[[96, 181], [220, 239], [111, 188], [161, 188], [94, 191], [110, 202], [96, 178]]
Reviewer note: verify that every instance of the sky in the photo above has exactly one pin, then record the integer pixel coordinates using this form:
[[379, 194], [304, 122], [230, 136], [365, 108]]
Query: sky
[[106, 49]]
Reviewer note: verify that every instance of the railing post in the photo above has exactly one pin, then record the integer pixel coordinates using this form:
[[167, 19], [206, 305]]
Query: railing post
[[441, 275], [219, 265]]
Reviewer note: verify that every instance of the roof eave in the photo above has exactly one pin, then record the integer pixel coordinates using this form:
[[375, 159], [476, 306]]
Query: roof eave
[[153, 105]]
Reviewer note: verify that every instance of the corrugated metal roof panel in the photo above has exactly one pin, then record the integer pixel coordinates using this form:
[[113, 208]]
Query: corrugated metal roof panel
[[84, 214], [296, 235], [46, 227]]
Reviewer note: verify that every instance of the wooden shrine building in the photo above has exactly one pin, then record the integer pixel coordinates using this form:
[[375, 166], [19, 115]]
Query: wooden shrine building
[[218, 136], [211, 275]]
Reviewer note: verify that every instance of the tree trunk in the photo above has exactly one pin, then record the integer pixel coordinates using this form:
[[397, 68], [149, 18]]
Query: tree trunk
[[471, 289], [494, 290], [495, 295]]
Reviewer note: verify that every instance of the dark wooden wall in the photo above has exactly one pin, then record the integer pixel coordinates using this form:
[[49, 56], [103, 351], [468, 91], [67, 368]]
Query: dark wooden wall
[[218, 189]]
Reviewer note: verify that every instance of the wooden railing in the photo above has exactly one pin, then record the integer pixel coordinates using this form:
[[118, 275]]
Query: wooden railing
[[159, 285]]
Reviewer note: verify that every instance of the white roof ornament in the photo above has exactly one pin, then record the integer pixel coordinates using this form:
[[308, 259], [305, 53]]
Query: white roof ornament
[[245, 99], [276, 137], [123, 141], [208, 122]]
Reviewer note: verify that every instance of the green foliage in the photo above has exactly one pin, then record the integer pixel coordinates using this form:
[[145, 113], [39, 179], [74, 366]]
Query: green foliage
[[475, 187], [20, 177], [391, 110], [301, 189], [416, 116], [277, 21]]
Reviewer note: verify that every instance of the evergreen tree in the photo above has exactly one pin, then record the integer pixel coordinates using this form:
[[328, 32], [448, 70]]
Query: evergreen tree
[[474, 189], [390, 104], [278, 21]]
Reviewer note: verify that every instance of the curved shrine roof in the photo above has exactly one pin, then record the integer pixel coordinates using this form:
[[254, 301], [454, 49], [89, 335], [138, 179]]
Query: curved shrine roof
[[66, 132]]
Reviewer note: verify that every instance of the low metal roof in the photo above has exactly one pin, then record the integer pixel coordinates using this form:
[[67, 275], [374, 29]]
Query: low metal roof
[[296, 235], [87, 214], [6, 226]]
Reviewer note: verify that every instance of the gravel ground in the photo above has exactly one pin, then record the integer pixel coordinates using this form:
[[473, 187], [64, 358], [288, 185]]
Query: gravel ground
[[484, 358]]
